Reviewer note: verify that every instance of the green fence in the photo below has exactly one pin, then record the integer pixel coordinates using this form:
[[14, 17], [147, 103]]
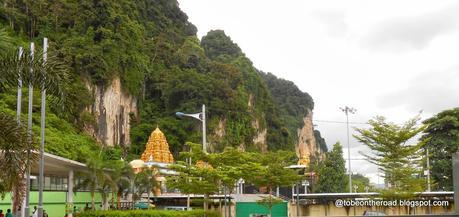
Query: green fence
[[54, 202], [244, 209]]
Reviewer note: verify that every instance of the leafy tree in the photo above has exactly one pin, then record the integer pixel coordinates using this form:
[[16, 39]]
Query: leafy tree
[[332, 172], [145, 182], [218, 45], [441, 138], [392, 152], [269, 202], [95, 179], [123, 177], [198, 178], [269, 170], [362, 182]]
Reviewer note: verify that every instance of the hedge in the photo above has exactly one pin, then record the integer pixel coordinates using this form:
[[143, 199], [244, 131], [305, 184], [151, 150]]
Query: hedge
[[148, 213]]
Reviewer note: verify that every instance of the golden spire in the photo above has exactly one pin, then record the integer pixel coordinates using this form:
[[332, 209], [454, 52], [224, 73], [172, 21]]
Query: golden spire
[[157, 148]]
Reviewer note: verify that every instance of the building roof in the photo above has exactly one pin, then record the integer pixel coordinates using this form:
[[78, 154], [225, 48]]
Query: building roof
[[247, 198], [58, 166]]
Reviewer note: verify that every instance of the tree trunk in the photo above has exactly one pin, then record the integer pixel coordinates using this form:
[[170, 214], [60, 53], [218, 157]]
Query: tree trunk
[[118, 200], [93, 203], [206, 197]]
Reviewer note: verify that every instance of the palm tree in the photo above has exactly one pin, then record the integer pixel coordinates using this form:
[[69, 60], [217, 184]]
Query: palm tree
[[145, 182], [94, 178], [51, 75], [123, 176], [14, 143]]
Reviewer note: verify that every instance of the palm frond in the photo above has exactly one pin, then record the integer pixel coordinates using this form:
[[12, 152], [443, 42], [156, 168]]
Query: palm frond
[[51, 74]]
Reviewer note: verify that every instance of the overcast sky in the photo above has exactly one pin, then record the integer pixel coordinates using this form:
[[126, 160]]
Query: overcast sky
[[390, 58]]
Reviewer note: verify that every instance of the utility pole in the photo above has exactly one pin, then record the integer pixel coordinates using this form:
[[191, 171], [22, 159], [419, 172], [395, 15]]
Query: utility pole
[[348, 110], [428, 170]]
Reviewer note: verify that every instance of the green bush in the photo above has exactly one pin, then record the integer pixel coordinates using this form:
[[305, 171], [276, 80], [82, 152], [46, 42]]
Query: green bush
[[149, 213]]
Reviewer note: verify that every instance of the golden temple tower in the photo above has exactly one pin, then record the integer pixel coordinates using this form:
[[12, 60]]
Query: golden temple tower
[[157, 148]]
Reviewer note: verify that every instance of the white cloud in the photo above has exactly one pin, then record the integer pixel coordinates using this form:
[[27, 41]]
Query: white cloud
[[431, 92], [413, 32]]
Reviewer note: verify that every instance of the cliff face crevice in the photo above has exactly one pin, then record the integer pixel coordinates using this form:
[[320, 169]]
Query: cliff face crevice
[[112, 109]]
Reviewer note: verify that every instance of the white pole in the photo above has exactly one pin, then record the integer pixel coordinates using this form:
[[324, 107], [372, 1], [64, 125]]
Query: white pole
[[18, 118], [204, 145], [428, 171], [42, 143], [19, 100], [70, 192], [29, 129], [349, 151]]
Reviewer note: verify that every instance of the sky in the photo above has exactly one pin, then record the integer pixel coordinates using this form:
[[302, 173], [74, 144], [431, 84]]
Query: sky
[[392, 58]]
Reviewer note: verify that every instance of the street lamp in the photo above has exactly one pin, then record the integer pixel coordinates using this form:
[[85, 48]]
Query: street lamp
[[202, 117], [348, 110]]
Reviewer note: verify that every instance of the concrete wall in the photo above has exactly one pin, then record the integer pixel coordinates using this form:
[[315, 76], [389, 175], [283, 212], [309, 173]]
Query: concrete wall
[[54, 202], [331, 210]]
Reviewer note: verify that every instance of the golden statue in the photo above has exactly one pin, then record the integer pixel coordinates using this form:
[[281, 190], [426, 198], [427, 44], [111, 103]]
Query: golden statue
[[303, 158]]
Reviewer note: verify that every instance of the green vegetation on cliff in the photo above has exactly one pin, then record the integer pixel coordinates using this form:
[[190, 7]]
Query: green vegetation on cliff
[[153, 49]]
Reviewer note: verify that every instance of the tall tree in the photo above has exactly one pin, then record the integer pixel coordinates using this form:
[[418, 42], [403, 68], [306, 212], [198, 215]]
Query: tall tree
[[14, 144], [197, 178], [94, 178], [268, 170], [441, 138], [394, 153], [332, 172], [145, 182]]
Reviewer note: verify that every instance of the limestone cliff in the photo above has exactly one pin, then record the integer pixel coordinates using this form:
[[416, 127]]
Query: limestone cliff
[[112, 109], [307, 144], [260, 137]]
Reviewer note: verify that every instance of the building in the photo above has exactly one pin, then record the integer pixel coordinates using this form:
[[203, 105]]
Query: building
[[59, 179]]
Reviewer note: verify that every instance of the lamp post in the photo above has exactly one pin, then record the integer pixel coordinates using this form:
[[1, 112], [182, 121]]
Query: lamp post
[[202, 117], [348, 110]]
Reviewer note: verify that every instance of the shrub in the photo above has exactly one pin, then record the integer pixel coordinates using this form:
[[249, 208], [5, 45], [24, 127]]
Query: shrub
[[149, 213]]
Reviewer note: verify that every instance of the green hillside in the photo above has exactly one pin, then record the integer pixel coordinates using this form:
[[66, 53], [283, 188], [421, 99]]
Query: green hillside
[[153, 49]]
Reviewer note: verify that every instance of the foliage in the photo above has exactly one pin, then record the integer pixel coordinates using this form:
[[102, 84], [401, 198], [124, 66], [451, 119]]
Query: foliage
[[145, 182], [218, 45], [95, 178], [269, 202], [332, 172], [150, 213], [212, 171], [391, 151], [268, 170], [441, 138], [293, 103], [14, 146], [362, 182]]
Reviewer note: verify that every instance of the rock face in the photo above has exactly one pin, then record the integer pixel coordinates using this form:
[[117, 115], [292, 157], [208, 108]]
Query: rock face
[[307, 144], [260, 137], [112, 109]]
